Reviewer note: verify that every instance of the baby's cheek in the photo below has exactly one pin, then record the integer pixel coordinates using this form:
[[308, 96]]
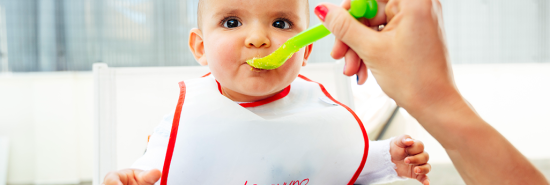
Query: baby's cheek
[[226, 49], [221, 50], [295, 62]]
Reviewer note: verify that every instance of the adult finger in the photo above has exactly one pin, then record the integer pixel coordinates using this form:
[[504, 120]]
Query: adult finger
[[353, 62], [345, 27], [346, 4], [149, 177], [362, 74], [339, 49], [418, 159], [391, 9], [381, 17]]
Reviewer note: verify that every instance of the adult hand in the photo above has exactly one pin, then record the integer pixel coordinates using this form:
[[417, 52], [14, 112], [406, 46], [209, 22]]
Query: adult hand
[[132, 176], [410, 62], [408, 57]]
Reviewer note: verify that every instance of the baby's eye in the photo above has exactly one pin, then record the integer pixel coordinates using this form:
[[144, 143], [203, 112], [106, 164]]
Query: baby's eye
[[232, 23], [281, 24]]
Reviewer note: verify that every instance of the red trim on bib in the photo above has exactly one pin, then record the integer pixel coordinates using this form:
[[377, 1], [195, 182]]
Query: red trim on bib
[[365, 136], [273, 98], [206, 74], [219, 87], [173, 135]]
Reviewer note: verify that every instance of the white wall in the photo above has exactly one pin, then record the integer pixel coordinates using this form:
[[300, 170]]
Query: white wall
[[48, 117]]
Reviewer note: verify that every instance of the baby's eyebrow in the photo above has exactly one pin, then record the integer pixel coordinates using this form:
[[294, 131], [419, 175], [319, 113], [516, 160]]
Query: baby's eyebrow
[[286, 14], [226, 12]]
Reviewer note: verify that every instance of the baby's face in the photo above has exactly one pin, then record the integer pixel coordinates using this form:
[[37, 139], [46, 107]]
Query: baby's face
[[233, 31]]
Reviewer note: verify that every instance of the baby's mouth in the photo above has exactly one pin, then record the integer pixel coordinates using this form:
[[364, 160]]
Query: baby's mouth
[[255, 69]]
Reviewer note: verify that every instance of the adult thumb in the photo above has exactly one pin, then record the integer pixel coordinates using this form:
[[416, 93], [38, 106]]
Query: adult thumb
[[344, 26]]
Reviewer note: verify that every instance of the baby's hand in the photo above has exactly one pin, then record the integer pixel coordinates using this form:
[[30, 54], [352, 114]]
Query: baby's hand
[[409, 157], [132, 176]]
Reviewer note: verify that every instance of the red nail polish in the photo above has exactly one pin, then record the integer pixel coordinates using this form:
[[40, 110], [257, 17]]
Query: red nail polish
[[321, 11]]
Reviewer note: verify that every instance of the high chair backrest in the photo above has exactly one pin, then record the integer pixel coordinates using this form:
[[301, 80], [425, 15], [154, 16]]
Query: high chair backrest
[[4, 151], [130, 102]]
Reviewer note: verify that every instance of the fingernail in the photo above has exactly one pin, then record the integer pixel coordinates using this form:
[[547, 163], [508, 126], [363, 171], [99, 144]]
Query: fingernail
[[344, 69], [407, 161], [321, 11], [417, 170], [408, 139]]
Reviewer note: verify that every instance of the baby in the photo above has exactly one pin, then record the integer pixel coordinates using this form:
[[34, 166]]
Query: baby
[[239, 125]]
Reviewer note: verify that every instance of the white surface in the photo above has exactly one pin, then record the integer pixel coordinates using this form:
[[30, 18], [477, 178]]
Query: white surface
[[4, 151], [513, 98], [48, 118]]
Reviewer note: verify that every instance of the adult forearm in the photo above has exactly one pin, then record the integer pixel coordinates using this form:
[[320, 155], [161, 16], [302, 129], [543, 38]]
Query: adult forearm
[[478, 151]]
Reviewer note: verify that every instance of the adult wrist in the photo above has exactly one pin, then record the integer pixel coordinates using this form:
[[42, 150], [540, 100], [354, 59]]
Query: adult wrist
[[440, 100], [448, 119]]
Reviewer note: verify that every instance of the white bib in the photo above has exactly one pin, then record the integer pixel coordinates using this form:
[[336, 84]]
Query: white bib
[[217, 141]]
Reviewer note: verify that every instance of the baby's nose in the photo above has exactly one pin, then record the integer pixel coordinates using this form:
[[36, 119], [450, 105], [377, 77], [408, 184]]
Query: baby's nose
[[257, 39]]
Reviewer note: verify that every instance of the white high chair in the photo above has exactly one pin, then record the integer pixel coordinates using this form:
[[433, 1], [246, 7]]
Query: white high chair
[[130, 102], [4, 155]]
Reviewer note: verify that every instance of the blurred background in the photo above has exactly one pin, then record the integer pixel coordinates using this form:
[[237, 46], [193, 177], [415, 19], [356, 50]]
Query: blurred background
[[500, 50]]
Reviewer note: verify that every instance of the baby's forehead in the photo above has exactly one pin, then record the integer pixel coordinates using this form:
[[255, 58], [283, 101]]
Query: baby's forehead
[[299, 8]]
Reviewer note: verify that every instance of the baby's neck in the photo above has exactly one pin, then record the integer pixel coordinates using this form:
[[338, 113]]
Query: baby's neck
[[239, 97]]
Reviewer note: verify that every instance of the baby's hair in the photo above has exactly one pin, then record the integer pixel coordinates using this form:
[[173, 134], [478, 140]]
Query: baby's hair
[[201, 6]]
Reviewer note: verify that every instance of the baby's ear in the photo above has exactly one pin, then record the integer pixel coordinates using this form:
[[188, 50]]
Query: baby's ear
[[196, 45], [307, 53]]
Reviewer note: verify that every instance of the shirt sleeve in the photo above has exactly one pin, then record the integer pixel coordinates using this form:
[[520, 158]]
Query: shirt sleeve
[[156, 148], [378, 168]]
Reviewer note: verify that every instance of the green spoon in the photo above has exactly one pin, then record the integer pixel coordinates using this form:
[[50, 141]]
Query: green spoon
[[359, 8]]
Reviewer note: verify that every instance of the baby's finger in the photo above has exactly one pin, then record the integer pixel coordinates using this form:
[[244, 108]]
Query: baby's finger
[[416, 148], [352, 63], [112, 178], [423, 179], [403, 141], [149, 177], [339, 49], [418, 159], [423, 169]]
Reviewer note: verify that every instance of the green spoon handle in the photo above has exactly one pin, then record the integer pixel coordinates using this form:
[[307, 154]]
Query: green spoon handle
[[359, 8], [308, 36]]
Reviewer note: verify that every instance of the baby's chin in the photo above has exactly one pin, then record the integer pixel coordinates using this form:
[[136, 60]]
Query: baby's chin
[[263, 85], [260, 89]]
